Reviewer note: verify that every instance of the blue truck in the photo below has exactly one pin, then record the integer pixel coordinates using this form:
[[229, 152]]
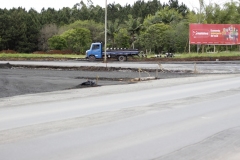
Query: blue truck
[[96, 52]]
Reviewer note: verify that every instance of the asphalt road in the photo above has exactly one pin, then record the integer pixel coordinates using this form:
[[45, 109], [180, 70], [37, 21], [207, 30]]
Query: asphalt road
[[82, 63], [205, 67], [201, 67], [189, 120]]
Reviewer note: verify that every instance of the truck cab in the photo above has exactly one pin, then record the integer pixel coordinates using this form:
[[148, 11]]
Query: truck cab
[[95, 51]]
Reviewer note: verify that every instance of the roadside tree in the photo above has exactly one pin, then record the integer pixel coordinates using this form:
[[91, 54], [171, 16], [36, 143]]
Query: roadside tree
[[155, 37], [122, 38], [57, 42], [96, 29], [134, 27], [46, 32], [112, 29], [78, 40]]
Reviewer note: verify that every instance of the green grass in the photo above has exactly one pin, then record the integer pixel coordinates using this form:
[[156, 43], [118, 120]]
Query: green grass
[[25, 55], [198, 55], [195, 55]]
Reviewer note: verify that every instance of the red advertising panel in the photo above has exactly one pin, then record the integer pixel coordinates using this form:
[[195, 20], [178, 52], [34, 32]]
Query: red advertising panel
[[217, 34]]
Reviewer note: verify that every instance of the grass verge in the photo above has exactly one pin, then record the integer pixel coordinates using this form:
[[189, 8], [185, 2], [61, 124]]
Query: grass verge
[[199, 55], [33, 56], [202, 55]]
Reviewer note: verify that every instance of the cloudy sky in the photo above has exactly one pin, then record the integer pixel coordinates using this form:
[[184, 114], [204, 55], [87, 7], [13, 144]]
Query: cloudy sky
[[58, 4]]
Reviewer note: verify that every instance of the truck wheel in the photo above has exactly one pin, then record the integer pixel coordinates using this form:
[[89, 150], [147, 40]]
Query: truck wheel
[[92, 58], [121, 58]]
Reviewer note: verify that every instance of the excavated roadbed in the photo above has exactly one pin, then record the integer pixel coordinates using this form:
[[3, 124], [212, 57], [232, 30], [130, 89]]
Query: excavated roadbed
[[20, 80]]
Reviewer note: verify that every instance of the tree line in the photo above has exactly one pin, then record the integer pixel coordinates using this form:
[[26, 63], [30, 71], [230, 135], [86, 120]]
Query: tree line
[[151, 26]]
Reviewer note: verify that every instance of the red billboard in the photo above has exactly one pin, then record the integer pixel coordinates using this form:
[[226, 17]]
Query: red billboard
[[216, 34]]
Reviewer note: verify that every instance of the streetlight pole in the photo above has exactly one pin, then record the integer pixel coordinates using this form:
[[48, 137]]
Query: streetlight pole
[[105, 46]]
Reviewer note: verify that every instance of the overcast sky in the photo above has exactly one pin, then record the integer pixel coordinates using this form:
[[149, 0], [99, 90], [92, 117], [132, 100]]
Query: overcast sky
[[58, 4]]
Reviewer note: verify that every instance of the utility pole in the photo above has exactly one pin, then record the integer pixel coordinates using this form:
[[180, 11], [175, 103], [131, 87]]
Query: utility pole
[[105, 46]]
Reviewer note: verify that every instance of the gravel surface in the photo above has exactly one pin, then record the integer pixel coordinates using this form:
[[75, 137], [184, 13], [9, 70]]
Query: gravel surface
[[20, 81]]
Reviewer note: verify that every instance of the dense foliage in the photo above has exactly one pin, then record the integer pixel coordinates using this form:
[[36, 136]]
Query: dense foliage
[[151, 25]]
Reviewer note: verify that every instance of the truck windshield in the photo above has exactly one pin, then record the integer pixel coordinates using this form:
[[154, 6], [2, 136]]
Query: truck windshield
[[96, 46]]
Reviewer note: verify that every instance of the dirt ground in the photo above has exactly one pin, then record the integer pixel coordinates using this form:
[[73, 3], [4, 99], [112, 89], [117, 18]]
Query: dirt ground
[[19, 81]]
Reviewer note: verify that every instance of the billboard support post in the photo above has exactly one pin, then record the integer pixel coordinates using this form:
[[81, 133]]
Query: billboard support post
[[189, 47]]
